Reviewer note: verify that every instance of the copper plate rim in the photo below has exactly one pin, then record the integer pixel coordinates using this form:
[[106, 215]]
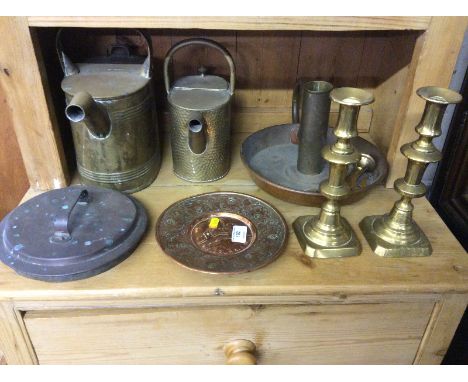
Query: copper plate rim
[[261, 265]]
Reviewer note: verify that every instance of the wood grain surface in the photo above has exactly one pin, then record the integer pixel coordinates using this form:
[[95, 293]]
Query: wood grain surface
[[240, 23], [14, 340], [388, 302], [149, 273], [427, 68], [348, 334], [36, 129], [13, 179]]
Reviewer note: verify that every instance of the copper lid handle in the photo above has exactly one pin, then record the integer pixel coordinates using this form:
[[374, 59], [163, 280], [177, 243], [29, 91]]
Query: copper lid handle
[[240, 352]]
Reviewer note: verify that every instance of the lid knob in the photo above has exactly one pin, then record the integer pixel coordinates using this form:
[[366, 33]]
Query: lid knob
[[202, 70]]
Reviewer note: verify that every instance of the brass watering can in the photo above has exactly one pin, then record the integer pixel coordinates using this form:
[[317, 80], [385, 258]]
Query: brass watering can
[[111, 107], [200, 119]]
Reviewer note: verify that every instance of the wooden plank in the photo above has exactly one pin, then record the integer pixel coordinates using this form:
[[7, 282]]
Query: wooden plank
[[265, 79], [444, 271], [13, 179], [385, 68], [337, 58], [36, 129], [237, 23], [444, 36], [14, 341], [307, 334], [166, 302], [441, 328]]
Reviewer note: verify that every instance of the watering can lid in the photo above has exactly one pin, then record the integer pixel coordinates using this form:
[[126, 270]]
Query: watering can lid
[[105, 80], [113, 76], [71, 233], [200, 92]]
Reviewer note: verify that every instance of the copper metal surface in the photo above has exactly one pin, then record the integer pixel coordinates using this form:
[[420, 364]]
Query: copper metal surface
[[71, 233], [184, 234], [217, 241], [270, 155]]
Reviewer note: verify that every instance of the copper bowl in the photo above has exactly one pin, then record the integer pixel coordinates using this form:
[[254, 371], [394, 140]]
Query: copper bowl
[[271, 158]]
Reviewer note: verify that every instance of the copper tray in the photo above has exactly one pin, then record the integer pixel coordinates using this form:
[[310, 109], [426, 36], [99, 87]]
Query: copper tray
[[271, 158], [183, 231]]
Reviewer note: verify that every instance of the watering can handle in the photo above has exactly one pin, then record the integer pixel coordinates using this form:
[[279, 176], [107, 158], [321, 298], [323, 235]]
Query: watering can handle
[[69, 68], [199, 41]]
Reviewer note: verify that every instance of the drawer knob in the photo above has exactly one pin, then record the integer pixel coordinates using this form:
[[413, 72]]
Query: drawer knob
[[240, 352]]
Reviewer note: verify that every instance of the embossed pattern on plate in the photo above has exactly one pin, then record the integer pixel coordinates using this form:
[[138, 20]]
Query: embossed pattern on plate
[[184, 234]]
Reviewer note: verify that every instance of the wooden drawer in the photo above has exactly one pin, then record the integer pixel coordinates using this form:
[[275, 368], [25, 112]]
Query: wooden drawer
[[283, 334]]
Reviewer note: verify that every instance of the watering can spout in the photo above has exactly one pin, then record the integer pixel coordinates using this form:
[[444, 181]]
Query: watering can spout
[[83, 108], [197, 135]]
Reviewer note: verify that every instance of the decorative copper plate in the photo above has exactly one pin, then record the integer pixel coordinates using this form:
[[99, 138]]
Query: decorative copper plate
[[197, 232]]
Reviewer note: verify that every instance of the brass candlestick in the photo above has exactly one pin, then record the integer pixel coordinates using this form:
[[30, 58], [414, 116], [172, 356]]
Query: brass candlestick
[[329, 235], [396, 234]]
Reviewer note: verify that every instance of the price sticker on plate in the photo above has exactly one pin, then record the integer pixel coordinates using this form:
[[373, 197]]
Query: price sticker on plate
[[214, 222], [239, 234]]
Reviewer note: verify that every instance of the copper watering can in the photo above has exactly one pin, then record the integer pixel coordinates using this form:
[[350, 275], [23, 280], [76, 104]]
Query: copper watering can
[[200, 119], [111, 107]]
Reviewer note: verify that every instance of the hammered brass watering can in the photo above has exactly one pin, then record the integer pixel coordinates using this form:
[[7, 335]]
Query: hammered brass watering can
[[200, 119], [112, 110]]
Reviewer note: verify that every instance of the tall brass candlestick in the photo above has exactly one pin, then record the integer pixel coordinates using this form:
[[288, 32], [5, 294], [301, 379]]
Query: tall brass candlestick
[[396, 234], [329, 235]]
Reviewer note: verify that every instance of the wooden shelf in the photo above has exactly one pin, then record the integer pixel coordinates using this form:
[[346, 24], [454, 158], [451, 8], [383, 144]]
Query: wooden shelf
[[367, 290], [238, 23], [149, 273]]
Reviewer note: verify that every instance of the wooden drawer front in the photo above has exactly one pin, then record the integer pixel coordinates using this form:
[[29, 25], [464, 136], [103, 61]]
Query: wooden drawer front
[[293, 334]]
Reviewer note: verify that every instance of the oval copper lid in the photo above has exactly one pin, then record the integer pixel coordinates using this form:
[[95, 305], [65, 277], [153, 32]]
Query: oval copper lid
[[221, 232], [202, 92], [105, 81], [71, 233]]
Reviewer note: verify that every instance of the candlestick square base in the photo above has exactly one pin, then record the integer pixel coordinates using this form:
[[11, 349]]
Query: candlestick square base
[[381, 247], [351, 247]]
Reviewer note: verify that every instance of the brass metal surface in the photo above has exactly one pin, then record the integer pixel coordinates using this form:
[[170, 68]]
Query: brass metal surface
[[185, 231], [83, 108], [200, 119], [328, 235], [112, 111], [396, 234]]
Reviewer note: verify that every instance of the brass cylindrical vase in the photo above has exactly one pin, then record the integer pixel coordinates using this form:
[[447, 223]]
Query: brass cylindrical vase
[[329, 235], [396, 234]]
